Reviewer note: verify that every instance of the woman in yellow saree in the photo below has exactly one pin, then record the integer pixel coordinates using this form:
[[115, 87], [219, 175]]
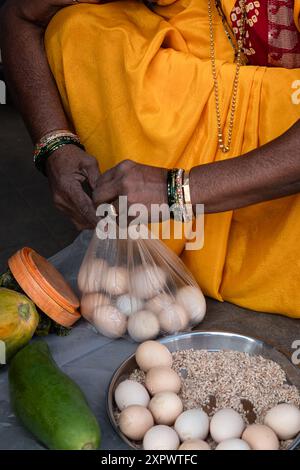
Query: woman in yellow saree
[[137, 83]]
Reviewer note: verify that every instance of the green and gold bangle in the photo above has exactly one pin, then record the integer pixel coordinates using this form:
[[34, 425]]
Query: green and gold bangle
[[49, 144], [171, 182]]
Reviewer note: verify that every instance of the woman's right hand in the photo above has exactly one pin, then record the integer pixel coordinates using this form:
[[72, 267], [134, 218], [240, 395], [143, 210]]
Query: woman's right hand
[[68, 168]]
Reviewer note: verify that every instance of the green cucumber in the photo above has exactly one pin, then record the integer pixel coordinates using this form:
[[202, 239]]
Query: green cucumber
[[49, 403]]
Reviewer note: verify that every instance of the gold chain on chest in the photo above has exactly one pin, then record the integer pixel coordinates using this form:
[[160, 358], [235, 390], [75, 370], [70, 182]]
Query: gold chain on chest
[[225, 147]]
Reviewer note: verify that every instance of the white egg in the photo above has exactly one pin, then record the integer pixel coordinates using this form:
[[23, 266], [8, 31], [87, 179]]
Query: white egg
[[192, 424], [135, 421], [129, 393], [109, 321], [91, 275], [284, 419], [162, 379], [194, 444], [193, 301], [143, 325], [148, 281], [90, 302], [161, 437], [116, 282], [260, 437], [226, 424], [157, 303], [165, 407], [128, 304], [233, 444], [152, 354], [173, 318]]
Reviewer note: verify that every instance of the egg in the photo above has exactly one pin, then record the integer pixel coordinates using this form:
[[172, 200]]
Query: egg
[[148, 281], [192, 424], [90, 302], [226, 424], [233, 444], [152, 354], [194, 444], [193, 301], [116, 282], [162, 379], [260, 437], [135, 421], [143, 325], [109, 321], [161, 437], [129, 393], [128, 304], [92, 275], [284, 419], [156, 304], [173, 318], [165, 407]]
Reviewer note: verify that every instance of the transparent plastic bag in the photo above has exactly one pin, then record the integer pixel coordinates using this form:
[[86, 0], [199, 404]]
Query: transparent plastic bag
[[138, 286]]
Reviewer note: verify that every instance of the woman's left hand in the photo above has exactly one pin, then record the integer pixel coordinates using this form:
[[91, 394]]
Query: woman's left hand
[[142, 184]]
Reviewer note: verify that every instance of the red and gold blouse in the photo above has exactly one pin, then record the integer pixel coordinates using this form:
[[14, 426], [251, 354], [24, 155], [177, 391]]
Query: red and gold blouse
[[272, 38]]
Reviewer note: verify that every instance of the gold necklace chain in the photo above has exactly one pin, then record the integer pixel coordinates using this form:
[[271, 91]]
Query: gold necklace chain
[[221, 141]]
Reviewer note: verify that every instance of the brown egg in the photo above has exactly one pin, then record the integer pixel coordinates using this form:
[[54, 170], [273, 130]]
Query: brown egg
[[109, 321], [135, 421], [148, 281], [165, 407], [162, 379], [194, 444], [173, 318], [116, 282], [260, 437], [152, 354], [193, 301], [90, 302], [91, 275], [143, 325], [157, 303]]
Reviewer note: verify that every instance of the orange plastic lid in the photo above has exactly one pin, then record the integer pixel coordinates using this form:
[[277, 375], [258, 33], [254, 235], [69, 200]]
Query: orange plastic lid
[[46, 287]]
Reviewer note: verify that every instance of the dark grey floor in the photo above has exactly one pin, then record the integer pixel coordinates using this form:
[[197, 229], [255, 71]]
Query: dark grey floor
[[27, 215]]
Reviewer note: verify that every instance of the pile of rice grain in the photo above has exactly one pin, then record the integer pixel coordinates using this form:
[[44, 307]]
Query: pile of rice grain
[[249, 384]]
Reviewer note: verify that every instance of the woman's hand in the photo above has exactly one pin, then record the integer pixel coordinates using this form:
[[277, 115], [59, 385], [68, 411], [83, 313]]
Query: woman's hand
[[142, 184], [68, 168]]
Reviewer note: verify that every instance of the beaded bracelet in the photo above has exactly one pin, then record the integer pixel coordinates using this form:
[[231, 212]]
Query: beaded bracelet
[[49, 144]]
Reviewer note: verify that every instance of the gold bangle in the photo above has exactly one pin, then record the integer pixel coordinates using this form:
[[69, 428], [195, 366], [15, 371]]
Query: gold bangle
[[187, 197], [54, 134], [186, 188]]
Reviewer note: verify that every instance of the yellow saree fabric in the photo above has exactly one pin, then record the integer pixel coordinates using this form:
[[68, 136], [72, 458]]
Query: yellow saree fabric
[[137, 84]]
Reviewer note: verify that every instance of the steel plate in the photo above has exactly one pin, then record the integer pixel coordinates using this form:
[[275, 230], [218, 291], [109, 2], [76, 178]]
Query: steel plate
[[211, 341]]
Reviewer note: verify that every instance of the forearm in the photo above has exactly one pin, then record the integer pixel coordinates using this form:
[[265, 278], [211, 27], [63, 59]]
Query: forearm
[[28, 73], [270, 172]]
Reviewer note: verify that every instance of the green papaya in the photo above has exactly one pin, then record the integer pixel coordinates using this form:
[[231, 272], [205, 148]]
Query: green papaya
[[49, 403], [18, 321]]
